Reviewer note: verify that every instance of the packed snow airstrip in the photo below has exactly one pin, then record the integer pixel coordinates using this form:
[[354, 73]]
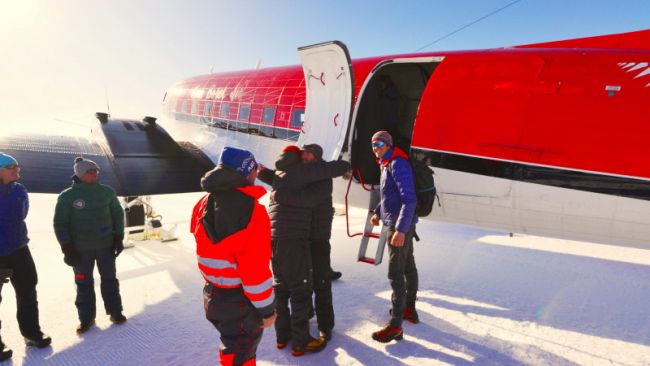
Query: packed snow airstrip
[[485, 298]]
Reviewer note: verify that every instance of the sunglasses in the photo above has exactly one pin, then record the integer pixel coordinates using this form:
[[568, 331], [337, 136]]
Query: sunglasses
[[11, 166], [378, 144]]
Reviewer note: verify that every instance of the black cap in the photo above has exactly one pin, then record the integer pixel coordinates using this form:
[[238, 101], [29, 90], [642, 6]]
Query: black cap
[[314, 149]]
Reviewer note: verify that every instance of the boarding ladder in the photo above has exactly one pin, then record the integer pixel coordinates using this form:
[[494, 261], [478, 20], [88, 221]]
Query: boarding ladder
[[368, 231]]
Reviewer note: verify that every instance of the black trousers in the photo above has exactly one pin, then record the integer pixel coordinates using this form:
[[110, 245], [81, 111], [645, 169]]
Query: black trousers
[[292, 271], [110, 286], [24, 280], [320, 259], [238, 322], [403, 276]]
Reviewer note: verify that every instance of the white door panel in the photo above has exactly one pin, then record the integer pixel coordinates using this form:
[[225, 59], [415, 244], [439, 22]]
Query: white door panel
[[329, 85]]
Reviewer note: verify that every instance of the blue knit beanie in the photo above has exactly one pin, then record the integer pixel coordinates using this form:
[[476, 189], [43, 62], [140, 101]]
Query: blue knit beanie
[[242, 160], [6, 159]]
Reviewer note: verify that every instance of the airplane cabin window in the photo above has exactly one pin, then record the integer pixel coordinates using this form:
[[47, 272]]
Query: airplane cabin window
[[297, 118], [244, 112], [225, 110], [268, 115]]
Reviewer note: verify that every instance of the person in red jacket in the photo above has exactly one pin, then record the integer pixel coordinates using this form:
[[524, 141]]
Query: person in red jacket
[[233, 246]]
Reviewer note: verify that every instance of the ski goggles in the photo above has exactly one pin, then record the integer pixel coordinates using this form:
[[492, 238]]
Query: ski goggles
[[378, 143], [11, 166]]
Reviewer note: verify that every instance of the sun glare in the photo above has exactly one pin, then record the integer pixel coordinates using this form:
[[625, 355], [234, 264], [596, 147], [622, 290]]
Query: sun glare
[[18, 16]]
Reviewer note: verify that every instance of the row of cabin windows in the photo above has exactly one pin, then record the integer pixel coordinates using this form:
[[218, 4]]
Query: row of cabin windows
[[268, 114]]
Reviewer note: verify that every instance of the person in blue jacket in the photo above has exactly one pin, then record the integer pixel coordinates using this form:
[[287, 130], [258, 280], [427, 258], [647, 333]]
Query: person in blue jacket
[[15, 258], [396, 211]]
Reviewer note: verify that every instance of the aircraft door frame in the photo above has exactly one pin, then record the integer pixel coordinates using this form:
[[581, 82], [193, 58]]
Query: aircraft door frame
[[329, 83]]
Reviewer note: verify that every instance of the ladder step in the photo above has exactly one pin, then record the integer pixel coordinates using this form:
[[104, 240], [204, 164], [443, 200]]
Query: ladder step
[[371, 235], [367, 260]]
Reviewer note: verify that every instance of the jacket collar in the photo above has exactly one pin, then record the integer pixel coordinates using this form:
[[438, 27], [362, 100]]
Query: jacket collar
[[89, 187], [394, 152]]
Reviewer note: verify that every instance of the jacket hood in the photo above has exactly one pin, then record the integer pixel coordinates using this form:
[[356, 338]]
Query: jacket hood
[[286, 159], [221, 178]]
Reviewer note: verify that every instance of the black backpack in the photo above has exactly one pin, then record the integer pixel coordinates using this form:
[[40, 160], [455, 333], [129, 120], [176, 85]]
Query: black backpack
[[425, 187]]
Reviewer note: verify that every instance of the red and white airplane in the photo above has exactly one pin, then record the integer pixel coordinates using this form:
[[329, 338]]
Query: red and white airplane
[[547, 139]]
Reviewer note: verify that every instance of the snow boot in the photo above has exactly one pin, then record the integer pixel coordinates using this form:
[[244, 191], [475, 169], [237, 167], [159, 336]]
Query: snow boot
[[411, 315], [85, 326], [5, 353], [335, 275], [229, 359], [282, 342], [312, 346], [388, 333], [118, 318], [39, 341], [327, 334]]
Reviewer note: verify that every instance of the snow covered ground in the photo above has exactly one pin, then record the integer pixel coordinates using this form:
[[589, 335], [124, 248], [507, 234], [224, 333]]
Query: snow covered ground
[[486, 299]]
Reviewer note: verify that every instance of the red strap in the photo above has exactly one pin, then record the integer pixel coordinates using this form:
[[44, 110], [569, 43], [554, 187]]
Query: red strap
[[347, 192]]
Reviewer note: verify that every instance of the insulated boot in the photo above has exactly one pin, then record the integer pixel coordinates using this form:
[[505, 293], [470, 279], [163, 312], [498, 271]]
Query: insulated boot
[[282, 342], [5, 353], [229, 359], [85, 326], [327, 334], [388, 333], [118, 318], [411, 315], [312, 346], [335, 275], [39, 341]]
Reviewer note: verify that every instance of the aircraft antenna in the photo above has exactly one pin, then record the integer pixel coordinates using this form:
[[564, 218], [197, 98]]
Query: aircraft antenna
[[108, 106], [467, 25], [258, 64]]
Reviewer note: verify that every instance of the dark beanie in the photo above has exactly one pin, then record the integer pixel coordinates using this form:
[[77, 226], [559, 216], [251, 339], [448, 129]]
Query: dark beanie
[[242, 160], [315, 149]]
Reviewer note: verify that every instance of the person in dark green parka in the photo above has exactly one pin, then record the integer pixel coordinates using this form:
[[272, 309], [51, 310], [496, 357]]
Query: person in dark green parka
[[89, 225]]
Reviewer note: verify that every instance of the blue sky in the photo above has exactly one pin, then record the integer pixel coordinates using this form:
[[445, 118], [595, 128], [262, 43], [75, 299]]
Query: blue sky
[[60, 58]]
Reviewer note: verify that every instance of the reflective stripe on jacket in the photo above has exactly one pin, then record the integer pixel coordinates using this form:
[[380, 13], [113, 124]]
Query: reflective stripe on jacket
[[242, 258]]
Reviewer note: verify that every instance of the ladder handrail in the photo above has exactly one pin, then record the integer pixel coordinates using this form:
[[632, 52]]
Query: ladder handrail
[[347, 192]]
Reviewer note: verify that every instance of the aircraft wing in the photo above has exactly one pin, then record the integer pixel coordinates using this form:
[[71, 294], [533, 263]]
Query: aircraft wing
[[135, 158]]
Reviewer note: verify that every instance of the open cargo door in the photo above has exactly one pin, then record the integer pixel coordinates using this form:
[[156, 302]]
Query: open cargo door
[[329, 84]]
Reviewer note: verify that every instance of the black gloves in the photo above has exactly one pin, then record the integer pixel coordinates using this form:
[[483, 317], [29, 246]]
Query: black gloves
[[118, 244], [70, 255]]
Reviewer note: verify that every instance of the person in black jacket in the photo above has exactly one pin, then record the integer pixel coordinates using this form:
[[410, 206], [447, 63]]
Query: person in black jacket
[[291, 258], [318, 198]]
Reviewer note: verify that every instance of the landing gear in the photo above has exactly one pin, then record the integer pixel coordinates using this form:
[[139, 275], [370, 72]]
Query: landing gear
[[142, 223]]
